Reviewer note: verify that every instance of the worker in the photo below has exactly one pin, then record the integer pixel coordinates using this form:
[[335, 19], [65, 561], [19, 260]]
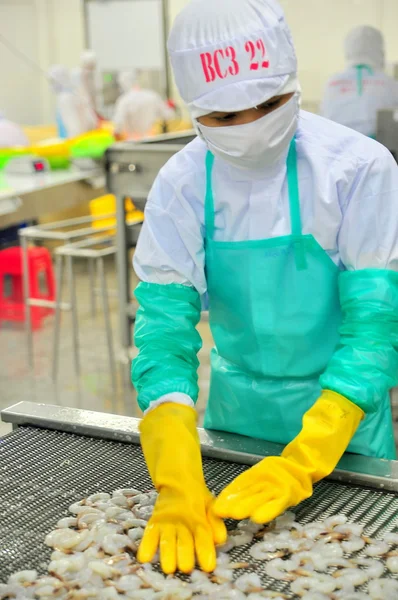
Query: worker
[[354, 97], [74, 115], [284, 225], [11, 134], [88, 65], [137, 109]]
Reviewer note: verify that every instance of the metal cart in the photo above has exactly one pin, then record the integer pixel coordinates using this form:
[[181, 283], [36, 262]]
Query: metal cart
[[131, 168], [55, 456]]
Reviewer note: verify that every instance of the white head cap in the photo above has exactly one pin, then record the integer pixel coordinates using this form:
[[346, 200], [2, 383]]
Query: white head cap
[[88, 60], [365, 46], [59, 78], [126, 80], [230, 55]]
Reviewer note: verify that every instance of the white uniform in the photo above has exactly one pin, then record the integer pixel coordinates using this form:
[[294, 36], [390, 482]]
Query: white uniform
[[354, 97], [73, 112], [137, 111], [11, 134], [348, 188], [348, 183]]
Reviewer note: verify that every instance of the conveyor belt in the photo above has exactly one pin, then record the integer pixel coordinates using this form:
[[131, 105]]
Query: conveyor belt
[[42, 472]]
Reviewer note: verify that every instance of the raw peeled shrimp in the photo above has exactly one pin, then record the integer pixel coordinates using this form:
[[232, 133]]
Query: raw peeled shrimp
[[324, 584], [392, 564], [353, 576], [66, 523], [376, 548], [66, 539], [353, 544], [374, 568], [383, 589], [335, 521], [282, 569], [391, 538], [115, 543], [263, 550], [249, 582], [135, 534], [241, 538], [144, 512], [99, 497], [22, 578], [350, 529]]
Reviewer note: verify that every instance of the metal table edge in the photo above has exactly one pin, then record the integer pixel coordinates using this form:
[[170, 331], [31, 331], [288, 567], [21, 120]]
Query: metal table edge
[[352, 469]]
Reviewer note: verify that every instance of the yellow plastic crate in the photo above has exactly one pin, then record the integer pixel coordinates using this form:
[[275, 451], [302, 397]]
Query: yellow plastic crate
[[105, 205]]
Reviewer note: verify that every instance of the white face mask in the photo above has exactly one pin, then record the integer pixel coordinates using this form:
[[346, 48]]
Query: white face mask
[[255, 145]]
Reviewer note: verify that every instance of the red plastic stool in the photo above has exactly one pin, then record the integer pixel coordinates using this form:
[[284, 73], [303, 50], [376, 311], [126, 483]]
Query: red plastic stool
[[12, 307]]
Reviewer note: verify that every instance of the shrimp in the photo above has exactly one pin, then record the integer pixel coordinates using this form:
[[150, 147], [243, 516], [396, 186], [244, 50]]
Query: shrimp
[[264, 551], [99, 497], [374, 568], [65, 539], [391, 538], [282, 569], [392, 564], [376, 547], [383, 589], [67, 522], [249, 582], [353, 544], [324, 584], [22, 578], [352, 576], [115, 543]]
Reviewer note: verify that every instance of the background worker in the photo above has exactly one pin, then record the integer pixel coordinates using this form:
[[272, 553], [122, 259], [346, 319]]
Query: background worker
[[285, 226], [354, 97], [137, 109]]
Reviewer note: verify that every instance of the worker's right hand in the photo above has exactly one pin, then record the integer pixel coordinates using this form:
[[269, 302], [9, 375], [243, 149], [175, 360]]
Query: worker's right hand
[[183, 524]]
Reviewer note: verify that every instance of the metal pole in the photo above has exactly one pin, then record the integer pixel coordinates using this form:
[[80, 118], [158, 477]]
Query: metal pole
[[75, 326], [57, 322], [123, 275], [28, 316], [166, 27], [108, 326], [91, 270]]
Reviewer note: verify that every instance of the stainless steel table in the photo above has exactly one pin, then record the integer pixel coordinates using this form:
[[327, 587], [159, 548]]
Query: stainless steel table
[[131, 168], [28, 197]]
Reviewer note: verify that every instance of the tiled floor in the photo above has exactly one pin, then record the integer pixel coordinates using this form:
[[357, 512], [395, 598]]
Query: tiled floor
[[93, 391]]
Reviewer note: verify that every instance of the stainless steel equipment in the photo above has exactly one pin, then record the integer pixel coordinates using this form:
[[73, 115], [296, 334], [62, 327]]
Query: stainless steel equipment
[[387, 130], [131, 169], [56, 456]]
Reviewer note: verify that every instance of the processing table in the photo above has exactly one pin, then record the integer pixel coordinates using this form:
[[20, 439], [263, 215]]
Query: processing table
[[55, 456]]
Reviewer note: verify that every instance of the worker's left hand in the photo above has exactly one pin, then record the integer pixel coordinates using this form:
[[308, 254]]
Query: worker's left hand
[[277, 483]]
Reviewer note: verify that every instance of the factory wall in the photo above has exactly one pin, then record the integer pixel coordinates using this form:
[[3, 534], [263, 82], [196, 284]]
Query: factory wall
[[52, 31], [45, 32]]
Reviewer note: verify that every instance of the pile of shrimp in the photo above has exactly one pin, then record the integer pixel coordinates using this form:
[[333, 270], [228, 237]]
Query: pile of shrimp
[[94, 557]]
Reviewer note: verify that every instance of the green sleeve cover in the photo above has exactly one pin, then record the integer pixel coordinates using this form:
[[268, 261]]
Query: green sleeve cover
[[365, 364], [168, 342]]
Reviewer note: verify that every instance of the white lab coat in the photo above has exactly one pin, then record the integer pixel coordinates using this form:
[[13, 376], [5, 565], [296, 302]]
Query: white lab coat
[[138, 110], [343, 104], [348, 189]]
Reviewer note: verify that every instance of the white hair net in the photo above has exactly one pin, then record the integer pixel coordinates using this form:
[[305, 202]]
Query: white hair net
[[126, 80], [365, 46], [231, 55]]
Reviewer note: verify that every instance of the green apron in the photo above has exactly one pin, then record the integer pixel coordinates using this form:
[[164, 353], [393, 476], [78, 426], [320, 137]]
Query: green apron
[[275, 314]]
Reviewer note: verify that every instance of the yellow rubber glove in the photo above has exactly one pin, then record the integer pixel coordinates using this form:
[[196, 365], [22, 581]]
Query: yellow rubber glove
[[276, 483], [183, 523]]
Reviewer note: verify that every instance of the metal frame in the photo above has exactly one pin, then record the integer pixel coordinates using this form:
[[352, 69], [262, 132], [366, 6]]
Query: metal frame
[[131, 160], [83, 249], [352, 469], [50, 231]]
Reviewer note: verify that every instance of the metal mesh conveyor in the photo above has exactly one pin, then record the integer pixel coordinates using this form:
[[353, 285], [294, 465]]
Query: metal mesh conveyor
[[44, 470]]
